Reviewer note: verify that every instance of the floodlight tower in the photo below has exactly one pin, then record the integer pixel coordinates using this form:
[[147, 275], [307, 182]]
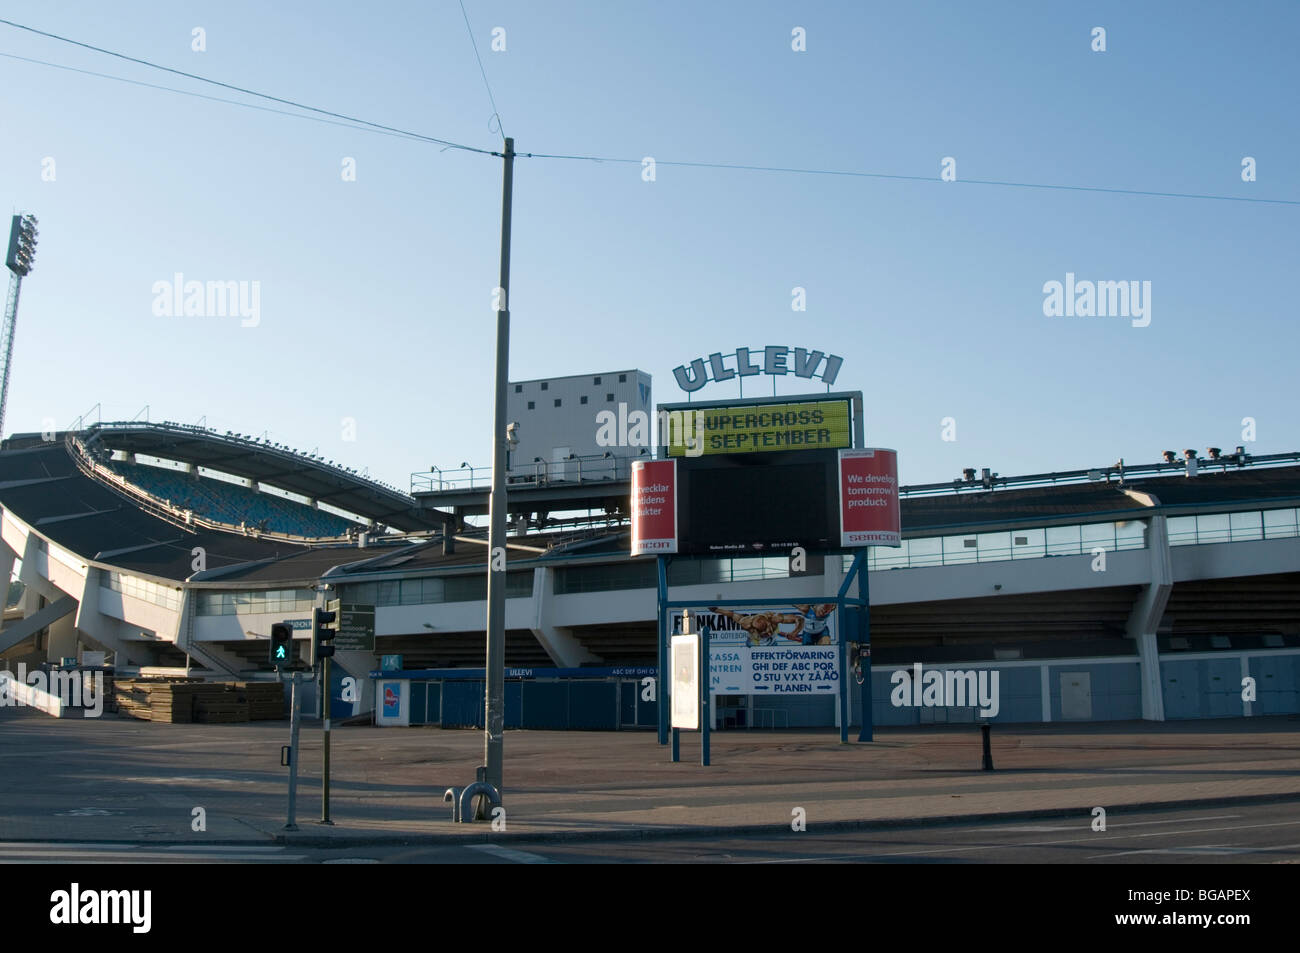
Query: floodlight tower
[[22, 253]]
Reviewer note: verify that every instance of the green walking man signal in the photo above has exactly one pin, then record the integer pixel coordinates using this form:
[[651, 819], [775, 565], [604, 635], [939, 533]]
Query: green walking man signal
[[281, 644]]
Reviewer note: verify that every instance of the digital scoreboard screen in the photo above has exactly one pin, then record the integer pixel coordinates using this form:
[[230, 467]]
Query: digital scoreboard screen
[[688, 431], [758, 504]]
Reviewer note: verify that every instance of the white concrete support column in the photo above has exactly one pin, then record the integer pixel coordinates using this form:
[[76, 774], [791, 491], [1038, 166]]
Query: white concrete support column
[[30, 575], [560, 644], [62, 639], [7, 559], [104, 630], [1144, 619], [206, 654], [1248, 707]]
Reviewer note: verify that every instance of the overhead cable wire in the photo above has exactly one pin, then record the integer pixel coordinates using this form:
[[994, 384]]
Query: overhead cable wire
[[355, 122], [482, 72], [247, 92]]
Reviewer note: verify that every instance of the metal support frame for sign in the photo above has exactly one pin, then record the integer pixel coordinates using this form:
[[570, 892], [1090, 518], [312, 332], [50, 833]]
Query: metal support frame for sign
[[865, 732], [662, 687], [842, 599]]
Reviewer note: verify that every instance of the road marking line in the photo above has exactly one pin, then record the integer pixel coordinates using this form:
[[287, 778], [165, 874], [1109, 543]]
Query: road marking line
[[1073, 840], [1110, 824], [509, 853]]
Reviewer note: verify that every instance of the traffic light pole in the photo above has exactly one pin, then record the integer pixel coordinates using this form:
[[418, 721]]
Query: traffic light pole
[[295, 705], [325, 742], [495, 691]]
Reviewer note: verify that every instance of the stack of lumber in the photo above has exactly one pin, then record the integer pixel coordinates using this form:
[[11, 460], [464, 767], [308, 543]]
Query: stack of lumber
[[184, 700], [219, 708], [171, 700], [265, 699]]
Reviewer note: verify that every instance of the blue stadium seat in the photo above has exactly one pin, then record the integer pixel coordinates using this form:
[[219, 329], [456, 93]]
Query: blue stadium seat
[[233, 504]]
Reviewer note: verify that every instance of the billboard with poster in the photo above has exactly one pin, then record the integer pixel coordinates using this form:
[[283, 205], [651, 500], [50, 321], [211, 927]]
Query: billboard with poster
[[654, 507], [775, 649], [868, 496]]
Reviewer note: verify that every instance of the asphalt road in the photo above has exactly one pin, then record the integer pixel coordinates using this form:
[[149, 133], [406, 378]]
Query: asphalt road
[[1246, 834]]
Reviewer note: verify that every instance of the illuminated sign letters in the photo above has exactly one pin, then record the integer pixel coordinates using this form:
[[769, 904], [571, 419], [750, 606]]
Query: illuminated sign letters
[[771, 360]]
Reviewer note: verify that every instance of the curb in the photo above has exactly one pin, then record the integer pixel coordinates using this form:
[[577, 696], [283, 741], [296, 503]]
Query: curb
[[299, 839]]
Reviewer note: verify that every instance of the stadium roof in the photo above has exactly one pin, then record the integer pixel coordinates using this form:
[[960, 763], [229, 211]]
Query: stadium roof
[[42, 486], [253, 459]]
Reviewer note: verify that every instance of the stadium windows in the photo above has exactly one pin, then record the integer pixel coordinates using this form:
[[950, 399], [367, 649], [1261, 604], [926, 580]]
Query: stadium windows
[[464, 588], [519, 585], [1279, 523], [1182, 530], [1029, 544], [433, 590], [622, 378], [531, 405], [1213, 528], [609, 398], [1063, 541], [582, 399], [546, 385], [1130, 534], [519, 388], [993, 546], [1245, 526], [363, 594], [1097, 536], [595, 380], [557, 402]]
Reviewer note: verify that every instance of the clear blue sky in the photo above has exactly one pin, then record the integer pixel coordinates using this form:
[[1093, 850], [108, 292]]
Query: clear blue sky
[[376, 294]]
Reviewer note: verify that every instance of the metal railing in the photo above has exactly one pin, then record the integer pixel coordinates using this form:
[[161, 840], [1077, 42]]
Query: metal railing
[[588, 468]]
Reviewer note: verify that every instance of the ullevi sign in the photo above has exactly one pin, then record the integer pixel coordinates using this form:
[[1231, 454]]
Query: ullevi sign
[[775, 361]]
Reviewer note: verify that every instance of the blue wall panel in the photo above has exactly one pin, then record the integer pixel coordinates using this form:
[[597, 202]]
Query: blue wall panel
[[545, 705], [462, 704], [593, 705]]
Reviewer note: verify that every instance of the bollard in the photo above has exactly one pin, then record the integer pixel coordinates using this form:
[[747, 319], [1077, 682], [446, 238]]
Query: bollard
[[988, 750]]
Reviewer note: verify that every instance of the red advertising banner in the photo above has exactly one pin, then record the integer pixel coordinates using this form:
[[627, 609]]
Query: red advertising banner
[[869, 513], [654, 507]]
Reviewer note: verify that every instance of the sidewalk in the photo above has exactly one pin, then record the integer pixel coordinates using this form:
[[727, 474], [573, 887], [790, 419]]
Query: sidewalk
[[123, 780]]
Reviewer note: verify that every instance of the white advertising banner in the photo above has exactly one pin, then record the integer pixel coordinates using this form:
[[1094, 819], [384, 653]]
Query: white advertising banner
[[776, 649]]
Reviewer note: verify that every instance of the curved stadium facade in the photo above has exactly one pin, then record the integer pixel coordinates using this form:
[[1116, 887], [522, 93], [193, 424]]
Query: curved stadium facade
[[1100, 595]]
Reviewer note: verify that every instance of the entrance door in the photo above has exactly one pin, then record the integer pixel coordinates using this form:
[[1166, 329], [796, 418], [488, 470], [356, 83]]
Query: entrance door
[[1076, 696], [560, 463]]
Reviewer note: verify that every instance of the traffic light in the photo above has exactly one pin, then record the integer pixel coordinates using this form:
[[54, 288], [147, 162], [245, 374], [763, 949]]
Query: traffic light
[[322, 633], [281, 644]]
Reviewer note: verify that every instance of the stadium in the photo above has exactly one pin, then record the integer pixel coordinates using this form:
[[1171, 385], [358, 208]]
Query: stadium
[[1120, 592]]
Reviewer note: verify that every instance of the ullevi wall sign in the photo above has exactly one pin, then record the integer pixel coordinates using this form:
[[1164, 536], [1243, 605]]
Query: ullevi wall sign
[[773, 360]]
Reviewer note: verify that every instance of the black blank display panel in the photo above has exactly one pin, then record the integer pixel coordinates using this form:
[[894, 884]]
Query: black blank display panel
[[759, 503]]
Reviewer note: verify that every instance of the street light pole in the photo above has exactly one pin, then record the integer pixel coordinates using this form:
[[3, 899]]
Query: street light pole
[[495, 701]]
